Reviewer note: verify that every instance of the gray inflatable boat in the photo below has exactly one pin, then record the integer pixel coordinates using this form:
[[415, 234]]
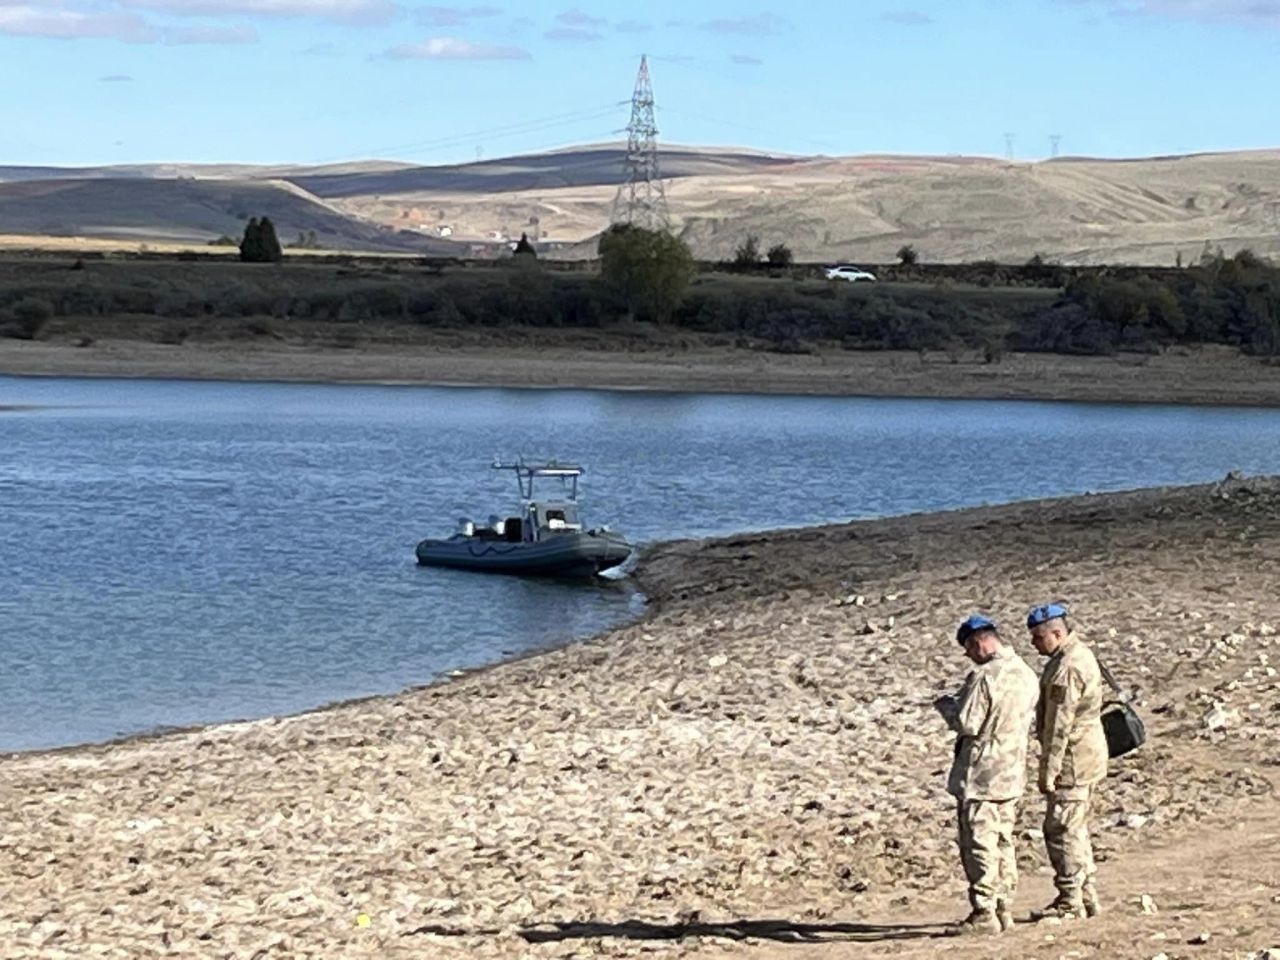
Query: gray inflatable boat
[[547, 538]]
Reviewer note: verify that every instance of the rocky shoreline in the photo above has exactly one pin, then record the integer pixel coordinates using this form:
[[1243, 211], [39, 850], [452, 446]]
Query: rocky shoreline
[[758, 750]]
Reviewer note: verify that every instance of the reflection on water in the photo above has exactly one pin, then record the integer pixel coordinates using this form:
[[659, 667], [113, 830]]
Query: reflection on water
[[182, 553]]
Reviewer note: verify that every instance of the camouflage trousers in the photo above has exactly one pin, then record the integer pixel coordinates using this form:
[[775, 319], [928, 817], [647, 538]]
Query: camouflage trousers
[[1066, 839], [986, 850]]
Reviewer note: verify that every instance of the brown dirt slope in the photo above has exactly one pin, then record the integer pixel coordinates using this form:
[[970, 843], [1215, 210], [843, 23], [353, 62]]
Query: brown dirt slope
[[951, 209]]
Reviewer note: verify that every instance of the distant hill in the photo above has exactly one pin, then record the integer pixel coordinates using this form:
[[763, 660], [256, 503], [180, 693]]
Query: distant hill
[[863, 208], [220, 171], [188, 211], [951, 209], [591, 166]]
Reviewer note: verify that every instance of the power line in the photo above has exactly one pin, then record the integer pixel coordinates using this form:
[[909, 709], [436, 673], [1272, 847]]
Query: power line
[[773, 134], [491, 133]]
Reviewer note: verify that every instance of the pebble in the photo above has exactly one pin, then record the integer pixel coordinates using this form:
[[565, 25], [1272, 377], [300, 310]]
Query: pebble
[[1218, 718]]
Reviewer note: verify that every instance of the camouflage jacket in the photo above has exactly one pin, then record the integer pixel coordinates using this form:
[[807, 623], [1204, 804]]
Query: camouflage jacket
[[1073, 749], [992, 721]]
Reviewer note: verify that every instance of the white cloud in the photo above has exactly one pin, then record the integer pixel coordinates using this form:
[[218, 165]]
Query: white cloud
[[346, 11], [454, 16], [572, 33], [1264, 13], [452, 48], [576, 18], [910, 18], [222, 35], [132, 20], [746, 60], [762, 24], [60, 22], [116, 78], [633, 26]]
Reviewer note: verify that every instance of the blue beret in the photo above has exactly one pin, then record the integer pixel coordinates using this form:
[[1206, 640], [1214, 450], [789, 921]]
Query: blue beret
[[1045, 613], [973, 625]]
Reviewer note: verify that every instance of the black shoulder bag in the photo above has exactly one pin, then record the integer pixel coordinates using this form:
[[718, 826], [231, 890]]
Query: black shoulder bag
[[1123, 728]]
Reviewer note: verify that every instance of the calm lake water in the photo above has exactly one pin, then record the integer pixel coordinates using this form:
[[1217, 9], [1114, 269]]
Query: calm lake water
[[182, 552]]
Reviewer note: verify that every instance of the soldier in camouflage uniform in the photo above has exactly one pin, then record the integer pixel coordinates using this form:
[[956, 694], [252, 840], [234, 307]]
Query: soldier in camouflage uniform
[[1073, 758], [991, 716]]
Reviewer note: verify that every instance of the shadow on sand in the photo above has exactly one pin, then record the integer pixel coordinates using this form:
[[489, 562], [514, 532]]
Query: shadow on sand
[[783, 931]]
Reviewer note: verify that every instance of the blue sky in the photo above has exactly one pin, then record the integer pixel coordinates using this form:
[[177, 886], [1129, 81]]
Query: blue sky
[[307, 81]]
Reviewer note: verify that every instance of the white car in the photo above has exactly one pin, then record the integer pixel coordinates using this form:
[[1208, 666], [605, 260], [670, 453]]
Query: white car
[[845, 271]]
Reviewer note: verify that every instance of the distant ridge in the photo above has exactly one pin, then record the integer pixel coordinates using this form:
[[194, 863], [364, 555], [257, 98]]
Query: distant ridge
[[219, 171], [950, 208]]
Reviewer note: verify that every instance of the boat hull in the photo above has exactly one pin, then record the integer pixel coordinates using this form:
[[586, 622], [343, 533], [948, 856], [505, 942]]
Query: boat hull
[[569, 555]]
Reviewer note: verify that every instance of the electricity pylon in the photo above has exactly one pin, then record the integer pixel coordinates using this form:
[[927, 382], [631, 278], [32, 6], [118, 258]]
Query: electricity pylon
[[641, 199]]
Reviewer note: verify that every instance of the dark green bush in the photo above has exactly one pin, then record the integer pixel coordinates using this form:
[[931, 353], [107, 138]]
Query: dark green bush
[[1233, 301], [32, 310], [25, 318], [747, 253]]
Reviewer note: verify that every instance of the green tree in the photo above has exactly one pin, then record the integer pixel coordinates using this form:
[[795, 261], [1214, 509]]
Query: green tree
[[907, 254], [779, 255], [748, 252], [260, 243], [646, 271], [251, 242], [270, 242], [524, 248]]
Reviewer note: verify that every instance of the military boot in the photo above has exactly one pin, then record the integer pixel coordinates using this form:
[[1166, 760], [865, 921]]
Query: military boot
[[1063, 908], [1004, 913], [979, 922], [1089, 900]]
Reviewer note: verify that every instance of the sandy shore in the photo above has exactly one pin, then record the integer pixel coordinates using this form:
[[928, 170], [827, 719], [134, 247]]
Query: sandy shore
[[1208, 375], [754, 762]]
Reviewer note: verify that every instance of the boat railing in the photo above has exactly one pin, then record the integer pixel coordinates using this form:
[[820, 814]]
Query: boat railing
[[526, 472]]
